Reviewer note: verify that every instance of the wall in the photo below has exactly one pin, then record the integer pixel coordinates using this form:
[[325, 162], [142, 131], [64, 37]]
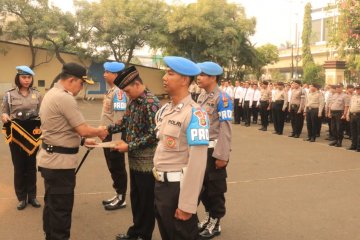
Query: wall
[[18, 54]]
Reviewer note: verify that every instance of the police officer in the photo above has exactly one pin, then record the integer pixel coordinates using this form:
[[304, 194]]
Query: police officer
[[313, 108], [114, 106], [19, 113], [265, 105], [62, 125], [354, 118], [279, 108], [180, 157], [219, 108], [338, 107], [296, 99]]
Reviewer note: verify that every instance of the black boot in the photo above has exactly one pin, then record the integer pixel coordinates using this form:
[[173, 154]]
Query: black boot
[[333, 143]]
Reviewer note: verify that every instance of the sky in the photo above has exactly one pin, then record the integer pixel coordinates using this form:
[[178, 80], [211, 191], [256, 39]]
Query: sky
[[276, 19]]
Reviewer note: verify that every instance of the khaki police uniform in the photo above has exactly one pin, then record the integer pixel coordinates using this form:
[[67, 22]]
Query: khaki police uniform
[[295, 111], [279, 108], [265, 100], [57, 159], [338, 104], [218, 105], [313, 107], [354, 114], [23, 112], [113, 110], [179, 166]]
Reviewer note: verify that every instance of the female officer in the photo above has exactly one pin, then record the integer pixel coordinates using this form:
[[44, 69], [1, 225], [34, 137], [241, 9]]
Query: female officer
[[19, 113]]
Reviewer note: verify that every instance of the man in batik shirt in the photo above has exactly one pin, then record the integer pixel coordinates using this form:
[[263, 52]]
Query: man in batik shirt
[[139, 125]]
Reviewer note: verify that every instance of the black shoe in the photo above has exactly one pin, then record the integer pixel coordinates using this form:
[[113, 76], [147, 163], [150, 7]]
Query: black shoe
[[312, 140], [338, 144], [307, 139], [212, 229], [330, 139], [292, 135], [125, 236], [333, 143], [296, 136], [118, 203], [358, 150], [275, 133], [110, 200], [351, 148], [279, 133], [261, 129], [21, 205], [34, 202], [247, 125]]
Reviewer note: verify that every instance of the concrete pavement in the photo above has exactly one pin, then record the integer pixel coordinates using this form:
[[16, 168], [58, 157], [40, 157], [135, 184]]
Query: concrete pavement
[[280, 188]]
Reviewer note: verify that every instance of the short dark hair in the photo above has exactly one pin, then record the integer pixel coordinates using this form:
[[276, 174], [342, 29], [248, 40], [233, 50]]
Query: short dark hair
[[17, 81], [64, 76]]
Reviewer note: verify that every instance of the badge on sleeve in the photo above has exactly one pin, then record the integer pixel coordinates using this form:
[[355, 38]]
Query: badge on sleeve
[[225, 107], [119, 100], [197, 132]]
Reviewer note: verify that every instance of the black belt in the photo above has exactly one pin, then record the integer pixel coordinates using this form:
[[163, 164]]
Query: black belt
[[355, 114], [56, 149]]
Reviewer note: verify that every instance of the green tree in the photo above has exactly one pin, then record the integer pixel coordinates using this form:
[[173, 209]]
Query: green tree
[[210, 30], [314, 74], [118, 27], [25, 22], [266, 54], [63, 32], [307, 57]]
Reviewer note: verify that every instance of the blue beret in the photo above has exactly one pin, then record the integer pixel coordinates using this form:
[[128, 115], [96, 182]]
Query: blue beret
[[210, 68], [182, 66], [24, 70], [114, 67]]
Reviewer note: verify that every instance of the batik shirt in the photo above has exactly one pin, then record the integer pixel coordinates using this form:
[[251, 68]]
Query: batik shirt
[[139, 126]]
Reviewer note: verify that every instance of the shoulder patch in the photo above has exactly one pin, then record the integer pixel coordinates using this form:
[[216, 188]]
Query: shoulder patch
[[197, 132], [225, 107], [119, 100]]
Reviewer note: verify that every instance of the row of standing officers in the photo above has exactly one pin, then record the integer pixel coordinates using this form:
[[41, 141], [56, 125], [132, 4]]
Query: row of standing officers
[[177, 153]]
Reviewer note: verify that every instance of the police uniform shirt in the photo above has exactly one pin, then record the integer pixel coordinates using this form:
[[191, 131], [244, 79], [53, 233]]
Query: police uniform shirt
[[59, 115], [338, 102], [218, 106], [265, 95], [21, 107], [314, 100], [114, 106], [296, 96], [355, 104], [183, 142], [280, 95]]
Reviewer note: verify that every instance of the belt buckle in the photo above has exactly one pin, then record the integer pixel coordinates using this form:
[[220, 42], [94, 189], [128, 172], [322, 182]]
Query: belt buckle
[[49, 149], [156, 175]]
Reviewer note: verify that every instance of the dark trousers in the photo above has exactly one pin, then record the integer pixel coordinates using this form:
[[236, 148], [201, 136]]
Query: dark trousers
[[237, 117], [328, 120], [312, 122], [254, 112], [337, 125], [297, 120], [214, 188], [355, 130], [166, 203], [142, 204], [264, 113], [59, 201], [24, 172], [115, 161], [247, 112], [279, 117]]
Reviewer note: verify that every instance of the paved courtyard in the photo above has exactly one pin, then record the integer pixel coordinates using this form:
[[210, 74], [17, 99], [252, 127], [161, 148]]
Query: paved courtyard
[[279, 188]]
